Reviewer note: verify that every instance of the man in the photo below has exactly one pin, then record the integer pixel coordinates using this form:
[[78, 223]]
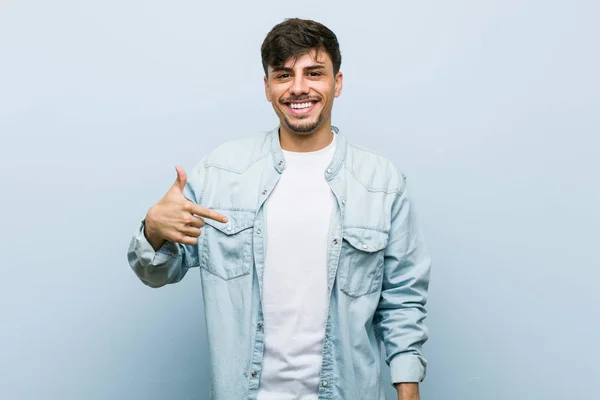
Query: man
[[307, 245]]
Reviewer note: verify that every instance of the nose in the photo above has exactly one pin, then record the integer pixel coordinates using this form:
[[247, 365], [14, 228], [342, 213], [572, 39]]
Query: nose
[[299, 85]]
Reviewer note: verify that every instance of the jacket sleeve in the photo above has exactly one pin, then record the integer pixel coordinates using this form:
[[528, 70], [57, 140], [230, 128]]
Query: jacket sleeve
[[401, 310], [170, 263]]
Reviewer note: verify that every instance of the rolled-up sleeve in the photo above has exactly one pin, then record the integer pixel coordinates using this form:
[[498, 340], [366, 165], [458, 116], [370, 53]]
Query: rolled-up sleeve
[[155, 268], [401, 310]]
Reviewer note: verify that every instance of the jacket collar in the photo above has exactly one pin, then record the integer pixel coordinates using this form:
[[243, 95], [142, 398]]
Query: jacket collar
[[336, 163]]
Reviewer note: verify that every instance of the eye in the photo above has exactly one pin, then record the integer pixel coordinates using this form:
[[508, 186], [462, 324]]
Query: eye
[[283, 76], [314, 74]]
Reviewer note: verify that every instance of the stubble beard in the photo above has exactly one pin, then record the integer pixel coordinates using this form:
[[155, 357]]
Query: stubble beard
[[304, 128]]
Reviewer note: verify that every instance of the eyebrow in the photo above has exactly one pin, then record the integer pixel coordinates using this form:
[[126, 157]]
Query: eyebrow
[[309, 68]]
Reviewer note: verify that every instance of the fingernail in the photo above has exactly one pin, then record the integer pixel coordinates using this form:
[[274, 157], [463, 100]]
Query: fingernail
[[224, 219]]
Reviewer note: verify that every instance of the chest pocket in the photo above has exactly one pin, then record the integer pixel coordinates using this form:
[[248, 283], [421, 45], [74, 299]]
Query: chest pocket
[[227, 248], [361, 261]]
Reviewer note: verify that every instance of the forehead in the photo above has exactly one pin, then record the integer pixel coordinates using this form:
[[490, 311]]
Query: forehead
[[313, 57]]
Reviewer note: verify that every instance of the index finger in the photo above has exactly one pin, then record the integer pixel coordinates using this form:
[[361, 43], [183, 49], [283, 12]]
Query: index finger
[[207, 213]]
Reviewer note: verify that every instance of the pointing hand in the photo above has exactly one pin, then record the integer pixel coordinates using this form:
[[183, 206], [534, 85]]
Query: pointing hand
[[175, 218]]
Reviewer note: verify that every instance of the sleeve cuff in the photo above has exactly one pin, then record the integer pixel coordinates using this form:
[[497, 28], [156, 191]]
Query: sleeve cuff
[[407, 368], [145, 252]]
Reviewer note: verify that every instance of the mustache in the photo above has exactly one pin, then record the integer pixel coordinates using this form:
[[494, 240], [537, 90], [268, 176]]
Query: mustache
[[300, 98]]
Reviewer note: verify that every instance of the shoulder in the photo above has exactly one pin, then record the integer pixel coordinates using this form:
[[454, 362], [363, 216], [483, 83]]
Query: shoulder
[[239, 154], [373, 170]]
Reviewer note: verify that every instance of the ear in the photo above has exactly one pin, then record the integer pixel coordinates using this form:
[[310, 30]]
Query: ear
[[267, 93], [339, 79]]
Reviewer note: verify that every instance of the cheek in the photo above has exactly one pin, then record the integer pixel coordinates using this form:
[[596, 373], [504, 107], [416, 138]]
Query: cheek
[[275, 95], [328, 90]]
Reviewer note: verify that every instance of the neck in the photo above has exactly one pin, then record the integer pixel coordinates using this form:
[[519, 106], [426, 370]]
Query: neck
[[305, 142]]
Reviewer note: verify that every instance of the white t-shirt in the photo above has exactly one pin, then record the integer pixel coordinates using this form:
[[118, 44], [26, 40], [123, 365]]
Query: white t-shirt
[[295, 295]]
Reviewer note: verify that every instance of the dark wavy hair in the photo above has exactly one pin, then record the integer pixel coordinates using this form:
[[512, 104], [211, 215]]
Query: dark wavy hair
[[295, 37]]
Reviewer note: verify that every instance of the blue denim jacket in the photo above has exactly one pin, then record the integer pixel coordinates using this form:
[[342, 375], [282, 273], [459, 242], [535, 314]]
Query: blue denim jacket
[[378, 268]]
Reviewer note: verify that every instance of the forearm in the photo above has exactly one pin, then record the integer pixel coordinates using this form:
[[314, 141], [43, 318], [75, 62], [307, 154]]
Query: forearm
[[407, 391]]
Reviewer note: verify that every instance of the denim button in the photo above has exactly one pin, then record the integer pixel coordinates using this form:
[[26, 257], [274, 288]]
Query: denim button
[[335, 241], [328, 170], [264, 192], [259, 326], [258, 231], [324, 383], [254, 374]]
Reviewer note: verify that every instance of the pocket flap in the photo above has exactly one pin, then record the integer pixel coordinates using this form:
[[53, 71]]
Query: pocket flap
[[365, 239], [237, 221]]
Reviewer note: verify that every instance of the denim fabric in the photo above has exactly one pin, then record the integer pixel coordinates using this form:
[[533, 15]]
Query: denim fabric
[[378, 268]]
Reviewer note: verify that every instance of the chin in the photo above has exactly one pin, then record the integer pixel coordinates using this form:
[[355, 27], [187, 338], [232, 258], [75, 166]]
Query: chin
[[304, 128]]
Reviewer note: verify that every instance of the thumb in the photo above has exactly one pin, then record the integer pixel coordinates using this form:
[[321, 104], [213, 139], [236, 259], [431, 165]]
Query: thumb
[[181, 179]]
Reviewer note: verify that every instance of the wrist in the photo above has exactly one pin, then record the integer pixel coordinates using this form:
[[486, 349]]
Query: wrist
[[407, 391], [151, 235]]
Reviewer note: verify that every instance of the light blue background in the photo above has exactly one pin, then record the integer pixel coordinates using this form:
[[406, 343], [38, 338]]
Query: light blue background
[[490, 107]]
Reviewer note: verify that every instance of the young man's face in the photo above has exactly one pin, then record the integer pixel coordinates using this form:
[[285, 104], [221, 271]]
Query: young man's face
[[302, 92]]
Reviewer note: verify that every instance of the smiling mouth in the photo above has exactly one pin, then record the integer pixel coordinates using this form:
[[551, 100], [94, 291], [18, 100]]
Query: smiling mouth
[[299, 108]]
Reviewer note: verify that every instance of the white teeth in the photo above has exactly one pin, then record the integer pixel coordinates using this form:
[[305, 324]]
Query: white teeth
[[301, 105]]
